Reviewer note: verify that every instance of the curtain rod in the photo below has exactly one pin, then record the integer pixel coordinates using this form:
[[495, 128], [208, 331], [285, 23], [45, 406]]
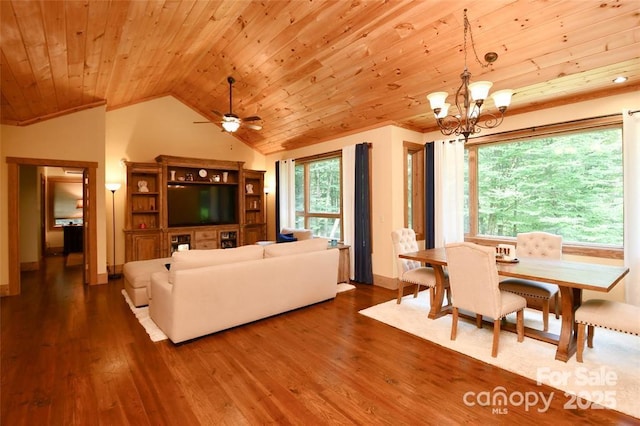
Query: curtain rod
[[633, 112]]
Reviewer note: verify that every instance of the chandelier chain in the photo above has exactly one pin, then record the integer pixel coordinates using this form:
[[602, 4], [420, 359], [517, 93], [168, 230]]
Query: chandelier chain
[[467, 27]]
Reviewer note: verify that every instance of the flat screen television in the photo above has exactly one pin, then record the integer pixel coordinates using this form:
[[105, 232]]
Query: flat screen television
[[198, 204]]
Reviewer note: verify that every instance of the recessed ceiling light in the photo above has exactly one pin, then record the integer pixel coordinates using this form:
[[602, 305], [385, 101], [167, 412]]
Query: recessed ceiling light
[[620, 79]]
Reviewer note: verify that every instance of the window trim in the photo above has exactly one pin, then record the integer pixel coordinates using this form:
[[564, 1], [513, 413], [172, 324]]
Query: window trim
[[602, 122], [418, 184]]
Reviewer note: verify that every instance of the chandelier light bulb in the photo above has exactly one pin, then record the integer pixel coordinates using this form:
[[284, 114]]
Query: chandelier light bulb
[[437, 99], [443, 111], [502, 98], [480, 90]]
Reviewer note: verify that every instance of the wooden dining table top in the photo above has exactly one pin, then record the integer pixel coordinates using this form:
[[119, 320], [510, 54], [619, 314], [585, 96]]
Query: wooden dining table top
[[581, 275]]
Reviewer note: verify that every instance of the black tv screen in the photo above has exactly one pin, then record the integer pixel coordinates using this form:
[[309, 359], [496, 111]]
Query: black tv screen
[[197, 204]]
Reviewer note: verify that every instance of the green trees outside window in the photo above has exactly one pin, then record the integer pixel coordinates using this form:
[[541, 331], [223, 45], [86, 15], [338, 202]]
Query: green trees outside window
[[318, 191], [568, 184]]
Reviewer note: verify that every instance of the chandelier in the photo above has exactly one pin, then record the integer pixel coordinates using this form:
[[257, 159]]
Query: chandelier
[[469, 117]]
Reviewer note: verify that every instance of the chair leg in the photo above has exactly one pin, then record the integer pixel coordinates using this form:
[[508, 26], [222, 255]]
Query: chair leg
[[496, 337], [454, 323], [545, 315], [400, 291], [520, 325], [580, 343], [556, 305], [478, 320], [590, 331], [416, 291]]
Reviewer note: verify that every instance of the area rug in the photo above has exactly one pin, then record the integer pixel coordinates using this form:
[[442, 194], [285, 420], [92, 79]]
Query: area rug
[[345, 287], [609, 375], [142, 314]]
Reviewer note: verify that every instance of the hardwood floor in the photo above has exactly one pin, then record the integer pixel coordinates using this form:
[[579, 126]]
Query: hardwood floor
[[73, 354]]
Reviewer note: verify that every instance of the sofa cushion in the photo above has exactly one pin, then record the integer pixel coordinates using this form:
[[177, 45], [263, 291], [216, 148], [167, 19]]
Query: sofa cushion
[[296, 247], [199, 258]]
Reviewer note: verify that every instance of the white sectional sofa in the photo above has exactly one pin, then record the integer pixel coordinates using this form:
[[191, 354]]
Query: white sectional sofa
[[206, 291]]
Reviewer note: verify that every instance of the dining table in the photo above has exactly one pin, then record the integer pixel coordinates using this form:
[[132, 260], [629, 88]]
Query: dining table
[[571, 278]]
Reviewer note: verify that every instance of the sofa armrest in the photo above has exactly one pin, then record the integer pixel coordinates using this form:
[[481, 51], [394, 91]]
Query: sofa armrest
[[161, 303]]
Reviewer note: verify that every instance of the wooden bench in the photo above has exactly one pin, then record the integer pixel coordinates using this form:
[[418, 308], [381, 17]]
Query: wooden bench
[[607, 314]]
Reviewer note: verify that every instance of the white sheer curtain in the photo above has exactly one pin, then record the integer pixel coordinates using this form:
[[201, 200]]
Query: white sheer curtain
[[348, 194], [631, 156], [449, 191], [287, 193]]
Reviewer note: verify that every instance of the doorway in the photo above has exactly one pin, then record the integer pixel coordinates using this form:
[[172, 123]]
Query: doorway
[[90, 232]]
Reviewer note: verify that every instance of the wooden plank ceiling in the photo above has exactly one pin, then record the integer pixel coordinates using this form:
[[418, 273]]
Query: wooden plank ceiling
[[312, 70]]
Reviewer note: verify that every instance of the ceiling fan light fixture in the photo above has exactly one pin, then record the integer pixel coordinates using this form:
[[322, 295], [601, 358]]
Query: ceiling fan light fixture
[[231, 126]]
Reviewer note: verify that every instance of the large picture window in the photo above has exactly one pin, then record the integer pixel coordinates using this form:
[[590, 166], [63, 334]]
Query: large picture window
[[319, 195], [567, 183]]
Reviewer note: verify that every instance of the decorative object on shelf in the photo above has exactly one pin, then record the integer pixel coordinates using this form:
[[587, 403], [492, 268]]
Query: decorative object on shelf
[[173, 174], [143, 186], [216, 178], [142, 226], [113, 187], [469, 99], [189, 177], [249, 188], [202, 173], [225, 176]]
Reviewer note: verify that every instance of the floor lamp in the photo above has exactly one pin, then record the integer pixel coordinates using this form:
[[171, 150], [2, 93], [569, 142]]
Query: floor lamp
[[113, 187]]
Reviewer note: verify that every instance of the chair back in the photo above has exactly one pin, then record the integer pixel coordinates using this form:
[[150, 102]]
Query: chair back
[[539, 245], [473, 277], [404, 241]]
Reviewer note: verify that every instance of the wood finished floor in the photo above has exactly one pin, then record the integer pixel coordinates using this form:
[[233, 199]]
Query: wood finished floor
[[76, 355]]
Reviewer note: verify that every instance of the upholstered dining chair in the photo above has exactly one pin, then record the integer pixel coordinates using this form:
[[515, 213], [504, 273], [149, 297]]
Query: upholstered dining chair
[[412, 272], [542, 245], [473, 277]]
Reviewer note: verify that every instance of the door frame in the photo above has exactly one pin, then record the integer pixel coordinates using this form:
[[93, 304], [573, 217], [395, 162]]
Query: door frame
[[90, 212]]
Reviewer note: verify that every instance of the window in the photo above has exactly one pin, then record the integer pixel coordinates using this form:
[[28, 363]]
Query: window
[[568, 183], [318, 189], [414, 188]]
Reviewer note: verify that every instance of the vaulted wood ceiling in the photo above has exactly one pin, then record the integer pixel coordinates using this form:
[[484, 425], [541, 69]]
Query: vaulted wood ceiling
[[312, 70]]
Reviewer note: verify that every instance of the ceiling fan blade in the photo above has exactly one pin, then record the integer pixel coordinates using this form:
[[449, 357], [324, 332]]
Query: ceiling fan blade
[[202, 122], [253, 126], [252, 118]]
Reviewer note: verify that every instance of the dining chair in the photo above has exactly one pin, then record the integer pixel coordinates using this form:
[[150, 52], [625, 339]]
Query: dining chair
[[412, 272], [609, 314], [540, 245], [473, 277]]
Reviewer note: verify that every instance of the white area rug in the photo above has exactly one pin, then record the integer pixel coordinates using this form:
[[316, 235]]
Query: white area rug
[[345, 287], [142, 314], [609, 375]]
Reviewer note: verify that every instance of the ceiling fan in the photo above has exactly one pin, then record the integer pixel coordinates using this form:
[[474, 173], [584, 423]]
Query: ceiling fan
[[231, 122]]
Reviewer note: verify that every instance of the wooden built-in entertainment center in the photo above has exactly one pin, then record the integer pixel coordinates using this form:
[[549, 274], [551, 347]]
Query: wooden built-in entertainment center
[[180, 202]]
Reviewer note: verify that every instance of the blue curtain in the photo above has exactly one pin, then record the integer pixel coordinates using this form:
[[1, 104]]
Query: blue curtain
[[429, 197], [363, 270]]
